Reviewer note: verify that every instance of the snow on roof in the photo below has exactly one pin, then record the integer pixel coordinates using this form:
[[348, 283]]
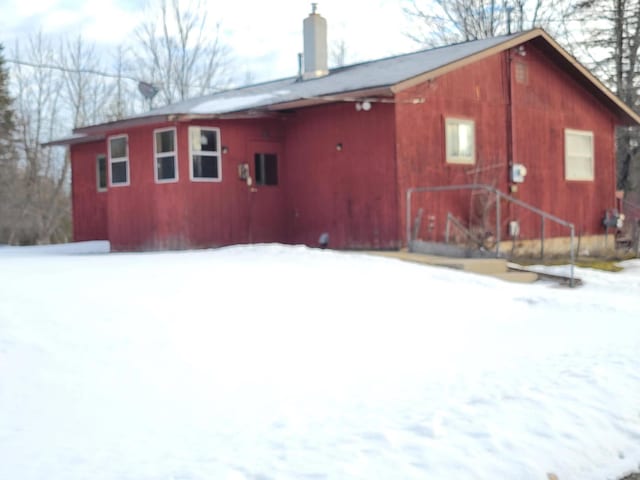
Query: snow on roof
[[374, 74]]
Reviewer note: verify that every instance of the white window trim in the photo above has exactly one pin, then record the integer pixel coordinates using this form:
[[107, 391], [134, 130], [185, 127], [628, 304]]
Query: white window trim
[[584, 133], [106, 167], [119, 160], [173, 153], [217, 154], [459, 160]]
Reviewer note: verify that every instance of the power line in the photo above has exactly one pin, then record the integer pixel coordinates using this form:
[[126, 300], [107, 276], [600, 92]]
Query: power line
[[72, 70], [102, 74]]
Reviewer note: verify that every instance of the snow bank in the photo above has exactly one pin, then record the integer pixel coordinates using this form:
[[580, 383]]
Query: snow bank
[[270, 362], [78, 248]]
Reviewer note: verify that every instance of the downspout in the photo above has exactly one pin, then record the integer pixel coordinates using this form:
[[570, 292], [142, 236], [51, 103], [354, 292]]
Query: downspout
[[509, 120], [398, 191], [512, 187]]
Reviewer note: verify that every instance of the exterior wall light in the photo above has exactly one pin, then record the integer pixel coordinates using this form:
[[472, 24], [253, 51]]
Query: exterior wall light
[[365, 106], [339, 147], [225, 149]]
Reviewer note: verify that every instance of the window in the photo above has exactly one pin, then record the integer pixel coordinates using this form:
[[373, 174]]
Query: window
[[165, 155], [266, 168], [119, 160], [204, 146], [101, 172], [460, 139], [578, 155]]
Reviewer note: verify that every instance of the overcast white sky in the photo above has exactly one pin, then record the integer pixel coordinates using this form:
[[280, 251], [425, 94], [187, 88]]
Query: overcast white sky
[[265, 35]]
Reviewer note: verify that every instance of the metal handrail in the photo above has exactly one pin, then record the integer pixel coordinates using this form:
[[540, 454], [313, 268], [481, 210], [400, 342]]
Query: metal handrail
[[499, 196]]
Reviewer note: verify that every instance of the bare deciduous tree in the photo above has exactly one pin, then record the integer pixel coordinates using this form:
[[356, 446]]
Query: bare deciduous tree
[[85, 94], [38, 108], [610, 46], [123, 99], [442, 22], [339, 54], [56, 89], [180, 52]]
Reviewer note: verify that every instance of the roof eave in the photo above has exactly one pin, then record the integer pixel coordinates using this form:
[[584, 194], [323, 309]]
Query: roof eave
[[74, 140], [124, 123], [352, 96], [423, 77], [625, 114]]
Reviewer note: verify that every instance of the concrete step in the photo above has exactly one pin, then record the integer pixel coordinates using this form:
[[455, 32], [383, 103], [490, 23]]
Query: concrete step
[[495, 267], [517, 277], [485, 266]]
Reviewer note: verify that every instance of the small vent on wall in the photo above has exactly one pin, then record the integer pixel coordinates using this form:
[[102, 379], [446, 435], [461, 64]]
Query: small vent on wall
[[522, 73]]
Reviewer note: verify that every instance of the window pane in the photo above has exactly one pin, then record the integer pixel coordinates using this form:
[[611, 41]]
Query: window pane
[[205, 166], [579, 155], [271, 169], [165, 141], [579, 145], [102, 172], [259, 168], [579, 168], [118, 172], [167, 168], [266, 168], [118, 147], [460, 141], [452, 140], [465, 140], [203, 140], [209, 140]]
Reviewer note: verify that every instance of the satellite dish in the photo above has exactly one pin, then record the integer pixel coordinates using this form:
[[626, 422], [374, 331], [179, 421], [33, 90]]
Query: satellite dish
[[148, 90]]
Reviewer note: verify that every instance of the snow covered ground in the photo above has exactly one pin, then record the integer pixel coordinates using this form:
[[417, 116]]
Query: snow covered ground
[[277, 362]]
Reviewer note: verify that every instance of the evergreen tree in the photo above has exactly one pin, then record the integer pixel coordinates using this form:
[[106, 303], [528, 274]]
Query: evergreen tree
[[8, 159], [6, 113]]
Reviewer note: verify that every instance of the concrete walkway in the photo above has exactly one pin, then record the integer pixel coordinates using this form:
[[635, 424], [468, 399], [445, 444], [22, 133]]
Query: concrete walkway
[[494, 267]]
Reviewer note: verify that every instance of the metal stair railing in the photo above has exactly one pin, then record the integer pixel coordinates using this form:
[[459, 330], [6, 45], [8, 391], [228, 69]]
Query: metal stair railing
[[499, 196]]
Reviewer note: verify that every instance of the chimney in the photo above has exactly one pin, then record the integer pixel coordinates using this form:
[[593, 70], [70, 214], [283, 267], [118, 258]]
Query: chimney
[[315, 45]]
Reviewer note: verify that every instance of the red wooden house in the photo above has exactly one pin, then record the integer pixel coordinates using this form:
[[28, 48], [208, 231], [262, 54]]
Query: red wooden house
[[335, 151]]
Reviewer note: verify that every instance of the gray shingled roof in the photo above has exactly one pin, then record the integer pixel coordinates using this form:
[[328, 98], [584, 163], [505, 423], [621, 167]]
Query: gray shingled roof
[[379, 73], [376, 77]]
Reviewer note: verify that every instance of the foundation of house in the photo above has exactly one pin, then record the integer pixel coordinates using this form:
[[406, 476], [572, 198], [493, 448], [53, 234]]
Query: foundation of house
[[585, 246]]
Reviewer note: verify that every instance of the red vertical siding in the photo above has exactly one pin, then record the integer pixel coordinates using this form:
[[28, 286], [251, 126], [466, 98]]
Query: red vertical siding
[[474, 92], [548, 102], [89, 205], [147, 215], [348, 193]]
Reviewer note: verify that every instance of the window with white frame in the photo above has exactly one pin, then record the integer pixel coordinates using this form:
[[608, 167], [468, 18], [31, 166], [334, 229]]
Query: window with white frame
[[204, 148], [460, 141], [578, 155], [119, 160], [101, 172], [165, 153]]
